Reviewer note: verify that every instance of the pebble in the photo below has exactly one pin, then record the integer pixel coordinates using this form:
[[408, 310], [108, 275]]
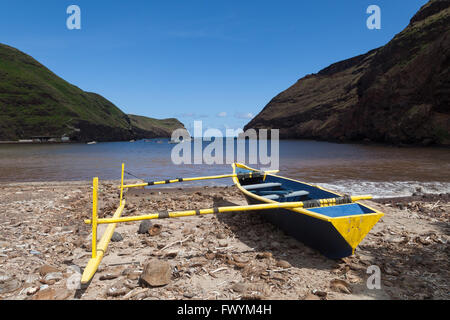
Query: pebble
[[109, 276], [264, 255], [187, 231], [117, 289], [31, 290], [283, 264], [31, 278], [144, 226], [133, 275], [156, 273], [240, 259], [45, 294], [141, 296], [54, 276], [311, 296], [9, 284], [116, 237], [223, 243], [130, 284], [318, 293], [171, 253], [239, 287], [43, 270], [155, 230], [52, 294], [340, 286]]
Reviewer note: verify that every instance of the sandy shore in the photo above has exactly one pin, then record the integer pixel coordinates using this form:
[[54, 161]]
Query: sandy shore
[[44, 244]]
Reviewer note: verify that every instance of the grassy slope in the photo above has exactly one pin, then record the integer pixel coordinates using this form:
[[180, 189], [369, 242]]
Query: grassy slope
[[149, 128], [146, 123], [34, 101]]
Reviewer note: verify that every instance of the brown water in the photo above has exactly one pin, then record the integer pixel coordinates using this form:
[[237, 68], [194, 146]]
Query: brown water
[[354, 168]]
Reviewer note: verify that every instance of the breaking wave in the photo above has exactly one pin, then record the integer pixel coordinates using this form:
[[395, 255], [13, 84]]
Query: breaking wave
[[391, 189]]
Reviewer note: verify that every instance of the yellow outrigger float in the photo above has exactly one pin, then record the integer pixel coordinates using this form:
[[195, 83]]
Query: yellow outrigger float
[[292, 205]]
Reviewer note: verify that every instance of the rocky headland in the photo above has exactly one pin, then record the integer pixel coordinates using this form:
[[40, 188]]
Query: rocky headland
[[396, 94]]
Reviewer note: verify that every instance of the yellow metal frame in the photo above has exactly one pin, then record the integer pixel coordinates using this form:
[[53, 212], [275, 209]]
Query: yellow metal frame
[[186, 180], [99, 249], [187, 213]]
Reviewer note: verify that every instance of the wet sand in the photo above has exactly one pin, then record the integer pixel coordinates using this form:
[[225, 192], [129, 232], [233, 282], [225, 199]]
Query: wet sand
[[44, 244]]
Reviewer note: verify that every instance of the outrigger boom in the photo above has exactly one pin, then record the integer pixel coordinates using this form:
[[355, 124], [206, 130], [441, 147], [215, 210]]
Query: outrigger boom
[[151, 183], [255, 207], [99, 250]]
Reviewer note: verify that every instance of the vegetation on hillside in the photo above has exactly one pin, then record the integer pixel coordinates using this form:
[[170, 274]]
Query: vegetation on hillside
[[36, 102]]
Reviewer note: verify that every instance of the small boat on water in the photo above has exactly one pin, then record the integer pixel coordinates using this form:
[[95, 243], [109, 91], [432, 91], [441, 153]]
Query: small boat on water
[[92, 142], [334, 227]]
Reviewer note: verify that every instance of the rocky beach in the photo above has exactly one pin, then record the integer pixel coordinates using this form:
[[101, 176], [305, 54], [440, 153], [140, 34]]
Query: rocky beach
[[44, 245]]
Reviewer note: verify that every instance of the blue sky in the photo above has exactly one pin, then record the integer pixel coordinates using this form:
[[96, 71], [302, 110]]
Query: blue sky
[[219, 61]]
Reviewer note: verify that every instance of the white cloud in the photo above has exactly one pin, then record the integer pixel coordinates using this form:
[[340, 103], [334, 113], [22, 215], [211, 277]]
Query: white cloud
[[243, 115], [189, 115], [222, 114]]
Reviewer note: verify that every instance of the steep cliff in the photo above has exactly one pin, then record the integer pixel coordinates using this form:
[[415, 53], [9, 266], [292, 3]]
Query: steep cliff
[[399, 93]]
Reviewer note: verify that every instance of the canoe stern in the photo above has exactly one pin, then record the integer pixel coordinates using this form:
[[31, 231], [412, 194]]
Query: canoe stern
[[355, 228]]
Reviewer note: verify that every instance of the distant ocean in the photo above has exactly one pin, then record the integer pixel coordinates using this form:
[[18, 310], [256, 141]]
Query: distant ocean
[[383, 171]]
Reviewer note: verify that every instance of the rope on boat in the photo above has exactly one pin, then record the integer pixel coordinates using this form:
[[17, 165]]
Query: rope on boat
[[332, 201], [127, 172]]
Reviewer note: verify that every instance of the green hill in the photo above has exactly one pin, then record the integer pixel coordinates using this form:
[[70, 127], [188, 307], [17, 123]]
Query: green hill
[[145, 127], [36, 102]]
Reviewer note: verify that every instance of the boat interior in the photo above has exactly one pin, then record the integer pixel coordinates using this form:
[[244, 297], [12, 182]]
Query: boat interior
[[280, 189]]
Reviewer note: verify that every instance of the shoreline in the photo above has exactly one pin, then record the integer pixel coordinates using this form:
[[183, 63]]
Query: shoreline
[[349, 142], [232, 256], [71, 142], [417, 196], [31, 142]]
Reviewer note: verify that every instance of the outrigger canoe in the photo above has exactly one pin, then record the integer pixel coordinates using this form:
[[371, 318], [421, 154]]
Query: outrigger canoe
[[335, 228], [332, 223]]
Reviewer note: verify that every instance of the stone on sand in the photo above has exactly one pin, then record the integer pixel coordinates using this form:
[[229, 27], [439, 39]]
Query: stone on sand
[[45, 269], [144, 226], [340, 286], [116, 237], [8, 284], [156, 273]]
